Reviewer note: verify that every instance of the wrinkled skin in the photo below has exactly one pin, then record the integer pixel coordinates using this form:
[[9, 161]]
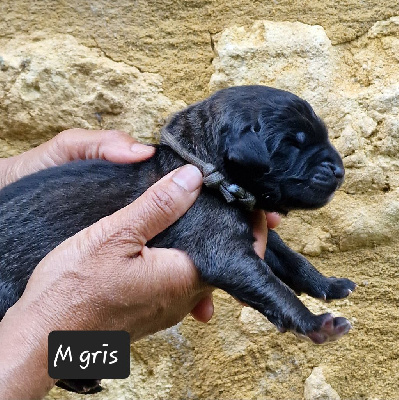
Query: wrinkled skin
[[268, 141]]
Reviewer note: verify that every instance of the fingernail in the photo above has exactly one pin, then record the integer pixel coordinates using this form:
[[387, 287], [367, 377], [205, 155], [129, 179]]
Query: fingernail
[[188, 177], [142, 149]]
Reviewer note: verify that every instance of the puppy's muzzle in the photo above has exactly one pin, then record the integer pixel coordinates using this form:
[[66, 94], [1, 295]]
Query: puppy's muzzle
[[329, 176]]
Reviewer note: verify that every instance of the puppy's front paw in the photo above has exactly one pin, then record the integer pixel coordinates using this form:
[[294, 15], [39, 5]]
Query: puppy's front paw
[[337, 288]]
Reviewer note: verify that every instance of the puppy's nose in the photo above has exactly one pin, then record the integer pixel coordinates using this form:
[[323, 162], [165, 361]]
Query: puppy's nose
[[338, 171]]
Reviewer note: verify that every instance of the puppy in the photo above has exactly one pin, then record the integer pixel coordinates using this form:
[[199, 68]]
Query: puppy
[[258, 147]]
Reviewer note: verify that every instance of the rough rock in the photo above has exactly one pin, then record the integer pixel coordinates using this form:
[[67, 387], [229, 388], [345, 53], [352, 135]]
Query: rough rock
[[254, 322], [172, 38], [316, 387], [273, 53], [51, 84]]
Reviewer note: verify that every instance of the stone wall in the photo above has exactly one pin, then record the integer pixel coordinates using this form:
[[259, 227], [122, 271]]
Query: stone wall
[[128, 65]]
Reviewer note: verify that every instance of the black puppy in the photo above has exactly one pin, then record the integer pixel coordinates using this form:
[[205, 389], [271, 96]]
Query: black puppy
[[254, 144]]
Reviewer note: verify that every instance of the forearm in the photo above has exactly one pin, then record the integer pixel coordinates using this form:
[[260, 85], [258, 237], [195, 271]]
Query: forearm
[[74, 144], [23, 357]]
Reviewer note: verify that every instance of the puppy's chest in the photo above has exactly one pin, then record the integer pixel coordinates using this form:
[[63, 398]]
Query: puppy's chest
[[209, 225]]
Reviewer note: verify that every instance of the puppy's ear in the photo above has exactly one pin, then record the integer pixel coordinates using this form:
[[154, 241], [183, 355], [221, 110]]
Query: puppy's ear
[[249, 151]]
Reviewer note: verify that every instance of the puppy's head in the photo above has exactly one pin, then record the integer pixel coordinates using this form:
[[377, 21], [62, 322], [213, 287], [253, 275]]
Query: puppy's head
[[271, 143]]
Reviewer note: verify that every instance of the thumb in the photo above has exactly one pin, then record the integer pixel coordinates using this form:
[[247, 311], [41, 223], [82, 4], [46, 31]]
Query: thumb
[[154, 211], [82, 144]]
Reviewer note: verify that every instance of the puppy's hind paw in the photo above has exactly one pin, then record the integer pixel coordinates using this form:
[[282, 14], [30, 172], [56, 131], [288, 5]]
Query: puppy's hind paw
[[83, 386], [330, 329]]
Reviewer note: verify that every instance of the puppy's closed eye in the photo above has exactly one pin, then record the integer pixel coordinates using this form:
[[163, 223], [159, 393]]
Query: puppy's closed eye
[[300, 137]]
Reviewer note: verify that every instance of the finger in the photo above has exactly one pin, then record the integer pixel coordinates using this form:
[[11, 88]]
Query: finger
[[259, 227], [112, 145], [203, 311], [273, 219], [155, 210]]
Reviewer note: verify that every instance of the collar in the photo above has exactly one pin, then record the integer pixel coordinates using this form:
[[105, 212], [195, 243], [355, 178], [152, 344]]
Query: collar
[[212, 177]]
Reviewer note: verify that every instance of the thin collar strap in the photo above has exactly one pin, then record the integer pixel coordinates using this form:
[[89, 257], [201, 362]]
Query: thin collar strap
[[212, 177]]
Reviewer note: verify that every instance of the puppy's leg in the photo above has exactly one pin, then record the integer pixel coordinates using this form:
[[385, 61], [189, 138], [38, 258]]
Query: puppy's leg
[[248, 278], [300, 275], [220, 243]]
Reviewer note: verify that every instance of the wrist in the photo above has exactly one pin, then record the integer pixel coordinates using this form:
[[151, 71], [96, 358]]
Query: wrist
[[23, 357]]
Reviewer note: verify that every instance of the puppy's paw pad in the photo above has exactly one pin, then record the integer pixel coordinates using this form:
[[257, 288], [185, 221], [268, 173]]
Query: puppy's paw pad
[[338, 288], [331, 329]]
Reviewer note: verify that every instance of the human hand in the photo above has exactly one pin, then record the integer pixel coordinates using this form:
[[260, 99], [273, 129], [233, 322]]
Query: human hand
[[105, 277], [74, 144]]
